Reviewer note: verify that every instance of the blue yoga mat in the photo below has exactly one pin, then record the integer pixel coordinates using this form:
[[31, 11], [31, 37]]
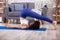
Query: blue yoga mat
[[5, 28]]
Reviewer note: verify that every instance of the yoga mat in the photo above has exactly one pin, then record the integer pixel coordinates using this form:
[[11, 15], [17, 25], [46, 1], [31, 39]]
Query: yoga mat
[[5, 28]]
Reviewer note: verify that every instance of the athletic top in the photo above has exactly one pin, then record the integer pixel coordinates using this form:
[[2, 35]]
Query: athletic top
[[27, 20], [24, 21]]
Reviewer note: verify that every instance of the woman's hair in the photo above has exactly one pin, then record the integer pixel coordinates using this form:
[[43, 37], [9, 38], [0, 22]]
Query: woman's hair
[[35, 26]]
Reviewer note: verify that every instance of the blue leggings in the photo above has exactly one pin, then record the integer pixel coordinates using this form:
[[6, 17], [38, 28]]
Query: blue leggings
[[29, 13]]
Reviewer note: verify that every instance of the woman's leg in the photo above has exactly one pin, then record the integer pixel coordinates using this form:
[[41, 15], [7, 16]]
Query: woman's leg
[[28, 12]]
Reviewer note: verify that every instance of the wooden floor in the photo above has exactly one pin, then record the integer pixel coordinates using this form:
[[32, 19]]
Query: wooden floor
[[49, 34]]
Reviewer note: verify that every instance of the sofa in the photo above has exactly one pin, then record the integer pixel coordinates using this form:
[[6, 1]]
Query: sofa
[[12, 11]]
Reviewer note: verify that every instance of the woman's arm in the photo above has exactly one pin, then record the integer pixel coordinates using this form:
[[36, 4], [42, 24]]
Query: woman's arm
[[24, 24], [16, 26]]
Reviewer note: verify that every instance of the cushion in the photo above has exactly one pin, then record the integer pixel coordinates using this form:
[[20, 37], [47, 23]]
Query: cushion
[[19, 6], [31, 5], [14, 14]]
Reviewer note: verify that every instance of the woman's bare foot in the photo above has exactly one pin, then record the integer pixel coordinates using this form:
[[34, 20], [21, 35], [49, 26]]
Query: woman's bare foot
[[55, 23]]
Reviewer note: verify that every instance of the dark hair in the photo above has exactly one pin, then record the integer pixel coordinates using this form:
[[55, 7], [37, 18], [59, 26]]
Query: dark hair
[[35, 26], [45, 5]]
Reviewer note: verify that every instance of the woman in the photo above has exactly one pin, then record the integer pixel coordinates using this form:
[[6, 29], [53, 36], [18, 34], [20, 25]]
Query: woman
[[29, 13]]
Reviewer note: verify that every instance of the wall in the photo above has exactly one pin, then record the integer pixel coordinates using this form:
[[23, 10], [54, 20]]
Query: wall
[[39, 4], [50, 3]]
